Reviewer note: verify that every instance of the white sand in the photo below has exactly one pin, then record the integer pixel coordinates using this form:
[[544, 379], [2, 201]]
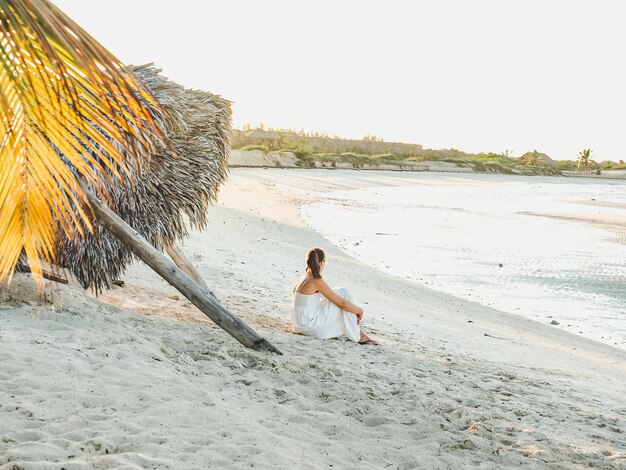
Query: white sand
[[140, 379]]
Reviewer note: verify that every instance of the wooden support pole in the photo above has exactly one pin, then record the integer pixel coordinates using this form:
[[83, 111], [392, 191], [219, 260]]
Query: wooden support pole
[[196, 294], [178, 256]]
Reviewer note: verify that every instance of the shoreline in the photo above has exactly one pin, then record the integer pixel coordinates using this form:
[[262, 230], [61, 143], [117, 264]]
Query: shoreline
[[352, 219], [287, 160], [285, 188], [259, 195], [132, 381]]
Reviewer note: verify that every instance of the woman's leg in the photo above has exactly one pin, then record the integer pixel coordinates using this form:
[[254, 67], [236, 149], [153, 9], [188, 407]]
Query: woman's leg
[[351, 328]]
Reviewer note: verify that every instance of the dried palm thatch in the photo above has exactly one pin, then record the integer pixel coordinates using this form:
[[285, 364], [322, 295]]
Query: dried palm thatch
[[177, 186]]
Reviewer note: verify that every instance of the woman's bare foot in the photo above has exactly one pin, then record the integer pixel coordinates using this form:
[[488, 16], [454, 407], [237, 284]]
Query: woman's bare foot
[[364, 339]]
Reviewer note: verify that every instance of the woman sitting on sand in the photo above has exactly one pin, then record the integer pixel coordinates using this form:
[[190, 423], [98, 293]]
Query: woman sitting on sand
[[317, 310]]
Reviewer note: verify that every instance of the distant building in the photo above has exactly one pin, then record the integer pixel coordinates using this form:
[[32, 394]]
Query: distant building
[[257, 136], [262, 134]]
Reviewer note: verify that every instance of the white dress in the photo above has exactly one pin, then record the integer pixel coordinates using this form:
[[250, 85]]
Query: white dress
[[315, 315]]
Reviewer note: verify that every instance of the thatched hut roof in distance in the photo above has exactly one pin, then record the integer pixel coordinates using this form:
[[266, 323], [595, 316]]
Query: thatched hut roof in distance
[[262, 134], [182, 179], [537, 158]]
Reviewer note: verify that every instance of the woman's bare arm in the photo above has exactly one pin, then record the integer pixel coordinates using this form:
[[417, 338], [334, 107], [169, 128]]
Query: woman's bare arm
[[339, 301]]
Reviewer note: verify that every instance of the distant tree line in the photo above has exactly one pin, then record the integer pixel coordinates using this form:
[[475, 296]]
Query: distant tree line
[[321, 146]]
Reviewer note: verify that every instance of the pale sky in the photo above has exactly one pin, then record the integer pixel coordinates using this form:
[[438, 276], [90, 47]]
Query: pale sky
[[485, 75]]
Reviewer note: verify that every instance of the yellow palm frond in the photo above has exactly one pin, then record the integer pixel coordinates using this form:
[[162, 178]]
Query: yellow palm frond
[[70, 113]]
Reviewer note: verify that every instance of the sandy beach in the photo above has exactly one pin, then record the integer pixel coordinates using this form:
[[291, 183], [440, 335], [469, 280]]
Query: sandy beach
[[138, 378]]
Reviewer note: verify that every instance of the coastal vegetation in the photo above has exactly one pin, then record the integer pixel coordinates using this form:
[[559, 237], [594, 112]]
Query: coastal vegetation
[[320, 149]]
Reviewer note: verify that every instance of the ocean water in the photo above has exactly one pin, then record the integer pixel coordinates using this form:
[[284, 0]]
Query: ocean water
[[506, 242]]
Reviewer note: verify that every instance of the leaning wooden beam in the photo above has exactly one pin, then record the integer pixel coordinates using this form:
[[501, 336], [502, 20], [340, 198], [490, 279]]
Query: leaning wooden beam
[[197, 295], [178, 256]]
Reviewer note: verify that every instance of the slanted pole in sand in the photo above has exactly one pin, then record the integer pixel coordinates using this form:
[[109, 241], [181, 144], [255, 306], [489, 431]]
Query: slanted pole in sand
[[184, 263], [196, 294], [178, 256]]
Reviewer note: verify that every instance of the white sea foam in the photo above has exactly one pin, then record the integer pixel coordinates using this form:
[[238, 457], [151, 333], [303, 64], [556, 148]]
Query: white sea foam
[[481, 238]]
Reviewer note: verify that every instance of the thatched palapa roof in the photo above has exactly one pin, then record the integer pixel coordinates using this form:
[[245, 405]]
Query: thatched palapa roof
[[537, 158], [180, 182], [262, 134]]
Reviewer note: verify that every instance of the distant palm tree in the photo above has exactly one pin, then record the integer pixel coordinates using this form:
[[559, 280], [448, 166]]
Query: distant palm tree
[[69, 115], [583, 158]]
